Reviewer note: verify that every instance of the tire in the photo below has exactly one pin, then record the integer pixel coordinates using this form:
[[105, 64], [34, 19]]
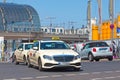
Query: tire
[[97, 59], [90, 57], [110, 58], [25, 60], [40, 65], [77, 69], [15, 61], [29, 64]]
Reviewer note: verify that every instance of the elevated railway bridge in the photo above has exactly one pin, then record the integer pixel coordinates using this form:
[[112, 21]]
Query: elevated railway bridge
[[26, 36], [13, 39]]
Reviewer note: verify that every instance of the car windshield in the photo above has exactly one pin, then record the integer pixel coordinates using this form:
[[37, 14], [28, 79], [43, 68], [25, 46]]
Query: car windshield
[[54, 45], [28, 46]]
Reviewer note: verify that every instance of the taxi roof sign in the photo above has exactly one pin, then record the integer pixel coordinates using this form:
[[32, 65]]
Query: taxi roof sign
[[35, 40], [55, 38]]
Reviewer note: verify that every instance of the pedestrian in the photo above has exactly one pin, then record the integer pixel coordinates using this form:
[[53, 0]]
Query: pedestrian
[[118, 49], [114, 49], [12, 57]]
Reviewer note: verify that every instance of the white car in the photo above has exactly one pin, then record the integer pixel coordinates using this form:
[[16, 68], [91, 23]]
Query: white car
[[96, 51], [20, 54], [53, 54], [77, 46]]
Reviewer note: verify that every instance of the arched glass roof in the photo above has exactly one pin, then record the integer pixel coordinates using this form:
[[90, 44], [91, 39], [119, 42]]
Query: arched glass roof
[[15, 17]]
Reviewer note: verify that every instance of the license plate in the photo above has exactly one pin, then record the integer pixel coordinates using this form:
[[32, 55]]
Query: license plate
[[63, 63], [103, 49]]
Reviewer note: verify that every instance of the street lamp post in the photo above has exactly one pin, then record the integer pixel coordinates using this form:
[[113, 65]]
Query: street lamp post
[[30, 28], [89, 19], [111, 12], [100, 18]]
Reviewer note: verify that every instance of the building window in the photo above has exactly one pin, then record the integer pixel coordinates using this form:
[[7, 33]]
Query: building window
[[41, 29], [57, 30], [53, 30], [80, 31], [61, 30], [45, 30]]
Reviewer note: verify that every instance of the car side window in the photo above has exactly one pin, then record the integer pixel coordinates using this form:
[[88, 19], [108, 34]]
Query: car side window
[[87, 46], [36, 44], [21, 46], [28, 46]]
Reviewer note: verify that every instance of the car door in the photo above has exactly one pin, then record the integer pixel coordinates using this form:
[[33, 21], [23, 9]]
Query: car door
[[21, 49], [34, 52], [18, 52], [84, 51], [35, 57]]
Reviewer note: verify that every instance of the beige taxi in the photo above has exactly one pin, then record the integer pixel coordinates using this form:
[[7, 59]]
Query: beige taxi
[[20, 54], [53, 54]]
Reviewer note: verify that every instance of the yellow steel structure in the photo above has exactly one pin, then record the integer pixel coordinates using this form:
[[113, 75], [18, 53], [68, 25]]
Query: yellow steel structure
[[106, 31], [95, 35]]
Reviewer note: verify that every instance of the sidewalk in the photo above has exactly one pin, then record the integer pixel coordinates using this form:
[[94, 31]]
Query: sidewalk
[[9, 61]]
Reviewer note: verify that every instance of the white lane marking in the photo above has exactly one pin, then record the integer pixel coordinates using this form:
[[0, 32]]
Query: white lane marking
[[105, 78], [26, 78], [96, 72], [117, 71], [109, 77], [108, 71], [56, 75], [118, 76], [97, 78], [84, 73], [70, 74], [41, 77], [9, 79]]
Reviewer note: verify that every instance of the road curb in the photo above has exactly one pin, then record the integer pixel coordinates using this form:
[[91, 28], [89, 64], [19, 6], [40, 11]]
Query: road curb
[[101, 60]]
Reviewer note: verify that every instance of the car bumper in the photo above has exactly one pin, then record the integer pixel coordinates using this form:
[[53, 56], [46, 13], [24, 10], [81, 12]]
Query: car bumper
[[53, 64], [103, 55]]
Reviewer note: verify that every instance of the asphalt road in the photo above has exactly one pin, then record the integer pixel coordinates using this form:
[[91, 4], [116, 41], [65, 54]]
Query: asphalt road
[[103, 70]]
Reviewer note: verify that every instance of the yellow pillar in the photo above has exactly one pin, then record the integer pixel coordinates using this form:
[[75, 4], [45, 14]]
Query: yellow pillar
[[95, 35]]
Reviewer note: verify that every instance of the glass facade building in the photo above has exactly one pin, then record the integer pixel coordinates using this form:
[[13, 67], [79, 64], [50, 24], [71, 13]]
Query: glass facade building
[[18, 18]]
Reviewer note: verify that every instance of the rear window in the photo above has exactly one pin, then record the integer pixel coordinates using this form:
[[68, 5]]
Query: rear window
[[98, 44]]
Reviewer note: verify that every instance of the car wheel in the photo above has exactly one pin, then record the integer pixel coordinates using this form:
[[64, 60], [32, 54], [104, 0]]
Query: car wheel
[[29, 64], [97, 60], [15, 61], [90, 57], [40, 65], [77, 69], [110, 58], [25, 60]]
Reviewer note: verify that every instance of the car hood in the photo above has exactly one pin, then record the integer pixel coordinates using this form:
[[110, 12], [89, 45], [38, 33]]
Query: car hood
[[58, 52]]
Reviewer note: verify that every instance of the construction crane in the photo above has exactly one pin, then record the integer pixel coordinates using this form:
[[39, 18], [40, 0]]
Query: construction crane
[[4, 1]]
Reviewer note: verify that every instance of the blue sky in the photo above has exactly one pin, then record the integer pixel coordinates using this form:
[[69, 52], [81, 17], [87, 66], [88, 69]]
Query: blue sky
[[66, 11]]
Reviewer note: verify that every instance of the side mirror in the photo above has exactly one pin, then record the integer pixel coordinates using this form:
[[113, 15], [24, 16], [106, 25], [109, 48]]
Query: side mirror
[[35, 48], [81, 49], [72, 48], [21, 49]]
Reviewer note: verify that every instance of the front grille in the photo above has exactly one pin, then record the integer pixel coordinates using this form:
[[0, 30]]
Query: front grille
[[63, 58]]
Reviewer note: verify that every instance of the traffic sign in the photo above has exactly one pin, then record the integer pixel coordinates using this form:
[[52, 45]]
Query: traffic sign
[[112, 26]]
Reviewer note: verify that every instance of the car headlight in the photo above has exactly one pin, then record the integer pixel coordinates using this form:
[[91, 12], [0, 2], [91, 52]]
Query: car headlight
[[47, 57], [77, 57]]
